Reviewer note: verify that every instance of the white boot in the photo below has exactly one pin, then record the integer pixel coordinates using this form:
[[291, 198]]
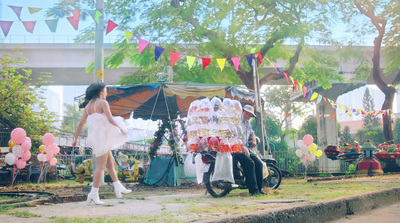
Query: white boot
[[119, 188], [94, 196]]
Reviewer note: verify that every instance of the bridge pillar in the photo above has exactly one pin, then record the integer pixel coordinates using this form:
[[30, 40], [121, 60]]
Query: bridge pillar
[[327, 134]]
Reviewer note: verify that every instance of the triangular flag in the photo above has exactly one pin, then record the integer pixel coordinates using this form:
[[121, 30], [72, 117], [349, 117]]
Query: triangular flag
[[98, 15], [333, 115], [287, 114], [311, 116], [74, 19], [29, 25], [319, 116], [206, 62], [304, 91], [190, 61], [310, 93], [92, 13], [294, 84], [340, 106], [319, 99], [236, 62], [52, 24], [157, 52], [17, 10], [174, 57], [57, 12], [250, 59], [221, 62], [5, 27], [142, 45], [34, 10], [350, 114], [128, 35], [326, 104], [260, 57], [110, 26], [384, 113], [314, 96]]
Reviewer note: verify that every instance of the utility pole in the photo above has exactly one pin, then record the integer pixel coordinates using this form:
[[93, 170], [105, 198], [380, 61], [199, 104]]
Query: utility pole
[[259, 110], [98, 44]]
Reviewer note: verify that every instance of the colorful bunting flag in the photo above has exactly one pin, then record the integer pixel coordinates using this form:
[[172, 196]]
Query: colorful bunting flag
[[74, 19], [29, 26], [57, 12], [128, 35], [319, 98], [52, 24], [310, 93], [221, 62], [142, 45], [206, 62], [260, 57], [314, 96], [236, 62], [98, 15], [5, 26], [333, 115], [304, 91], [174, 57], [250, 59], [92, 13], [17, 10], [157, 52], [111, 26], [33, 10], [190, 61], [294, 84]]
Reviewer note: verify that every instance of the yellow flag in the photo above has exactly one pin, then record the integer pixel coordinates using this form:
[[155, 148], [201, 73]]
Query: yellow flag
[[340, 106], [190, 61], [128, 35], [221, 62], [314, 96]]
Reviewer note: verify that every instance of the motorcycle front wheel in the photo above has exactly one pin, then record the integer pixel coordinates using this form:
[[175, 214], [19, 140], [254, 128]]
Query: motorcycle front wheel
[[274, 178], [217, 188]]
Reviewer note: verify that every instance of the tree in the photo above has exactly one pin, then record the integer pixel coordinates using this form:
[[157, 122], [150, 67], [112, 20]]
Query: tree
[[21, 101], [71, 119], [346, 136], [380, 13], [220, 29], [310, 127], [396, 132], [368, 104]]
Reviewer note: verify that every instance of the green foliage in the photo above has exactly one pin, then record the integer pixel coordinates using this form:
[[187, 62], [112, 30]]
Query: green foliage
[[396, 132], [374, 134], [351, 170], [21, 101], [310, 127], [346, 136], [71, 119], [368, 104]]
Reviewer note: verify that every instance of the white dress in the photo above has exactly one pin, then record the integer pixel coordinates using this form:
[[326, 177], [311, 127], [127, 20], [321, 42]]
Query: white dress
[[104, 136]]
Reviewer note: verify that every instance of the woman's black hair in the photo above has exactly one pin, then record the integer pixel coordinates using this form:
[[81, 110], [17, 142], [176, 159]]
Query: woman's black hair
[[93, 92]]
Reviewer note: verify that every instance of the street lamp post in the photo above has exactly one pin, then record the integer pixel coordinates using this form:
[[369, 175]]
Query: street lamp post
[[99, 51]]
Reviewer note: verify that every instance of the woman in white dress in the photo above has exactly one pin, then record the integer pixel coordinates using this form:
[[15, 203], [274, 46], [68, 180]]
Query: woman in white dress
[[105, 133]]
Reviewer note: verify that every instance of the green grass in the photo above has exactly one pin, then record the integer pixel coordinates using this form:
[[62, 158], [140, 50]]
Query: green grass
[[22, 214]]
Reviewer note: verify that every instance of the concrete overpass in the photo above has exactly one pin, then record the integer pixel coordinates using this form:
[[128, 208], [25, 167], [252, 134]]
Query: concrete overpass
[[65, 62]]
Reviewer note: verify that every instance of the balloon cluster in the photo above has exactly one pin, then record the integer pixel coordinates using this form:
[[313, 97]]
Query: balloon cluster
[[48, 150], [19, 145], [214, 125], [308, 151]]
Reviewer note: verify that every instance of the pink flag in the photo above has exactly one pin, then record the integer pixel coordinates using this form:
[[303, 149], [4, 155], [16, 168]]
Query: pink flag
[[174, 57], [236, 62], [17, 10], [5, 27], [206, 62], [142, 45], [110, 26], [74, 19], [304, 91], [29, 25]]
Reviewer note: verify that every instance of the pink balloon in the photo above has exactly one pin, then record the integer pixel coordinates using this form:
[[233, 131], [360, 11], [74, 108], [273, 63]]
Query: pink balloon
[[48, 139], [53, 161], [307, 157], [55, 150], [26, 145], [49, 156], [18, 135], [21, 164], [308, 139], [26, 156]]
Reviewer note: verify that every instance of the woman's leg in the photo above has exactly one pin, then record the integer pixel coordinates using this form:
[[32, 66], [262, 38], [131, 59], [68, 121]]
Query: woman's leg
[[111, 167], [101, 162]]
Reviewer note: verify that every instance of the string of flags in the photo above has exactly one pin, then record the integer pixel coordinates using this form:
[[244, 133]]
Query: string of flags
[[175, 56]]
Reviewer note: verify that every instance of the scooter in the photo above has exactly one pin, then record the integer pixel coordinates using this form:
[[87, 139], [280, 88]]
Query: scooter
[[222, 188]]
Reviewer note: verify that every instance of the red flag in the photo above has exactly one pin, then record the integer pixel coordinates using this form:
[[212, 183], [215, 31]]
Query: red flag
[[74, 19], [260, 57], [174, 57], [333, 115], [206, 62], [294, 84], [29, 25], [110, 26]]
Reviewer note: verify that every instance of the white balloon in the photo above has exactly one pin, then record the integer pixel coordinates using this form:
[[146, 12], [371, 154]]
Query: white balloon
[[300, 143], [17, 150], [312, 157], [41, 157], [10, 158], [299, 153]]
